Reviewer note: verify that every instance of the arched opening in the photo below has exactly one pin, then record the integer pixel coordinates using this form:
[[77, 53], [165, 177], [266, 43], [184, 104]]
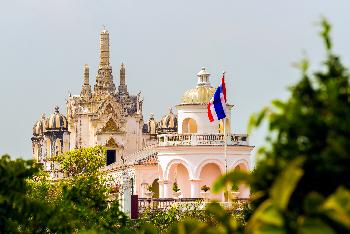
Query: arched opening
[[155, 188], [178, 173], [189, 125], [36, 153], [58, 147], [48, 148], [241, 190], [209, 173]]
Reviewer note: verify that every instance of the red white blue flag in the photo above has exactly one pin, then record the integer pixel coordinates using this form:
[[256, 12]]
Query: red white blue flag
[[217, 104]]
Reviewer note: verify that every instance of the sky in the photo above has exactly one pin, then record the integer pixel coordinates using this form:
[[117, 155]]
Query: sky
[[44, 45]]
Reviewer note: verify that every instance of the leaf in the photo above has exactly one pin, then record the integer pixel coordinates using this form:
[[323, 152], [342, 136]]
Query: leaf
[[286, 182], [232, 177], [314, 226], [337, 207], [266, 219]]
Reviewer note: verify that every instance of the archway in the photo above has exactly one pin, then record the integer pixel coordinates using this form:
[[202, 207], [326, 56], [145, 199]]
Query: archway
[[189, 125], [178, 173], [242, 190], [208, 174], [155, 188]]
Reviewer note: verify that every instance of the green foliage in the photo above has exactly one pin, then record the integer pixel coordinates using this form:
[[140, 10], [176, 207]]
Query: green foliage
[[15, 207], [83, 160], [176, 187], [185, 218], [80, 201], [205, 188], [313, 123]]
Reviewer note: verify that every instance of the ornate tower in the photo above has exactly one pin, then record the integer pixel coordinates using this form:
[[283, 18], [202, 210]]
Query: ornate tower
[[86, 88], [122, 86], [104, 79]]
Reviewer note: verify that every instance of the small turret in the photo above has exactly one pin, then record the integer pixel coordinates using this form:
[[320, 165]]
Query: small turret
[[86, 74], [86, 88], [122, 86]]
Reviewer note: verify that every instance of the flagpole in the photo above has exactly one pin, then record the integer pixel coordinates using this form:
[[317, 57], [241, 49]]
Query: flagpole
[[225, 147], [225, 144]]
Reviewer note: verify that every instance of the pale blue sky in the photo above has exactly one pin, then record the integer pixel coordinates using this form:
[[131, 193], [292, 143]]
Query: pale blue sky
[[44, 44]]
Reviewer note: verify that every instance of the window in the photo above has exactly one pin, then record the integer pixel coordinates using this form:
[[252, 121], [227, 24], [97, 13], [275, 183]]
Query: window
[[111, 157], [189, 126]]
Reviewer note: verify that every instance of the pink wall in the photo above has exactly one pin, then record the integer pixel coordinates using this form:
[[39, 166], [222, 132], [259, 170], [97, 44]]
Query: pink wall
[[209, 173], [180, 173]]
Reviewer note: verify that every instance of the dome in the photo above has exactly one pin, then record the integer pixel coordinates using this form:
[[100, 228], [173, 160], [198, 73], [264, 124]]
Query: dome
[[168, 123], [57, 121], [202, 93], [198, 95], [39, 126]]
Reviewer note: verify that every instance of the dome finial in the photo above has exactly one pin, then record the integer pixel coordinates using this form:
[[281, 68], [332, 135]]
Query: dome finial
[[57, 109], [203, 77]]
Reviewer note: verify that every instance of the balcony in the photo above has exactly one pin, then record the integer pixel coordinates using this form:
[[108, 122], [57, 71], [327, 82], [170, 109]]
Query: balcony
[[202, 139]]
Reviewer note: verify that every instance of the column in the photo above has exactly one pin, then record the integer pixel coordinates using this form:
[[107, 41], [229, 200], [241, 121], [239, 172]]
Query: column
[[195, 188], [161, 188], [167, 189]]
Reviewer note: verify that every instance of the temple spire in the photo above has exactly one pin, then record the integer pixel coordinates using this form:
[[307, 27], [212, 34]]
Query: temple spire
[[86, 74], [86, 88], [122, 85], [104, 48], [122, 74], [104, 78]]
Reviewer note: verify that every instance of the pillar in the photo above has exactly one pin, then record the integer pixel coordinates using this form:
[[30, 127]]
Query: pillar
[[167, 189], [161, 188], [195, 188]]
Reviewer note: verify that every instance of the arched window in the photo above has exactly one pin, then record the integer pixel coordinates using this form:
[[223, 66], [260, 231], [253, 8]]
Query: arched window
[[58, 147], [48, 147], [189, 125]]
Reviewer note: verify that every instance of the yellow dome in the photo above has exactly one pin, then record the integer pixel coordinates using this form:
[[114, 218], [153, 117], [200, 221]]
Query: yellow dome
[[198, 95], [39, 126], [57, 121]]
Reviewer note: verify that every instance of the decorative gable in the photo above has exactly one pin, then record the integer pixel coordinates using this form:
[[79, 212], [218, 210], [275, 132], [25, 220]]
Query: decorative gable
[[108, 109], [111, 143], [110, 126]]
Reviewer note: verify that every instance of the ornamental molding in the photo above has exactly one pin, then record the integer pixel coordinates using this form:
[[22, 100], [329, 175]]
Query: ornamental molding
[[111, 143]]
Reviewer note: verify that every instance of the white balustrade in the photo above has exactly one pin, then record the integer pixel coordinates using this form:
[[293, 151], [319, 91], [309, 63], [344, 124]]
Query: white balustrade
[[201, 139]]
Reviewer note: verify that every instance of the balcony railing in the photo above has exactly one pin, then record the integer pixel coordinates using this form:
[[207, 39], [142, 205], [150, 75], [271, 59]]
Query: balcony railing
[[187, 203], [201, 139]]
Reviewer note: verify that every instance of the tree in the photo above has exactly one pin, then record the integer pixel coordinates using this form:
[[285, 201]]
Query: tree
[[15, 207], [83, 160], [301, 182]]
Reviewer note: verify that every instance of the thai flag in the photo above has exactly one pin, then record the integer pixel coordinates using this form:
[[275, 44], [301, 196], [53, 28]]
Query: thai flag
[[217, 104]]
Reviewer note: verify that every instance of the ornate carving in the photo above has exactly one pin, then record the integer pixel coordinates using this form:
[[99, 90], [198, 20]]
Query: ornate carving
[[111, 143], [108, 110], [110, 126]]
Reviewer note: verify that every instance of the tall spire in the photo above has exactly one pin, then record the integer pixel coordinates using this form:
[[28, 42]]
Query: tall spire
[[122, 74], [104, 48], [86, 88], [86, 74], [104, 78]]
